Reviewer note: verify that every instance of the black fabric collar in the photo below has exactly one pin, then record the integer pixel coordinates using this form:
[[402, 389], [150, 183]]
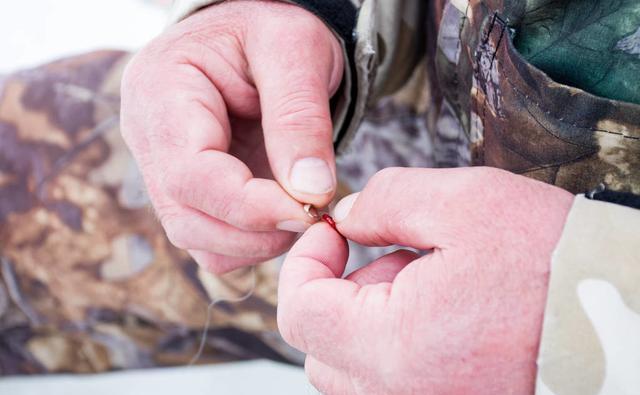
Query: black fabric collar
[[601, 193], [342, 17]]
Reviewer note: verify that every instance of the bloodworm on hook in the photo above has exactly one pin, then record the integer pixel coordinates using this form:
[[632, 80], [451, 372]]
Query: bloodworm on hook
[[327, 218], [313, 213]]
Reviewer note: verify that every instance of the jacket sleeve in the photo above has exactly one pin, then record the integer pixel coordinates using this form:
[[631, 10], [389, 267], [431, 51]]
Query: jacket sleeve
[[382, 42], [591, 333]]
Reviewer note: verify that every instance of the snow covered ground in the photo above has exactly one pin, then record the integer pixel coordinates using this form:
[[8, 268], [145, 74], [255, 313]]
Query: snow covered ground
[[36, 31], [241, 378]]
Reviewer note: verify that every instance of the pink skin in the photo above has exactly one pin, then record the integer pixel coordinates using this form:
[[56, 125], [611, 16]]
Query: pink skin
[[217, 170], [465, 319]]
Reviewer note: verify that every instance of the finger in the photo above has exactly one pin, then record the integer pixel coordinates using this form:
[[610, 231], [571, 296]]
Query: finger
[[220, 264], [326, 379], [319, 313], [295, 88], [224, 188], [193, 230], [410, 207], [184, 112], [186, 129], [383, 269]]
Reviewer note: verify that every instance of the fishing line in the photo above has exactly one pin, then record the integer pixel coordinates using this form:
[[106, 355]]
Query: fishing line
[[207, 324], [313, 213]]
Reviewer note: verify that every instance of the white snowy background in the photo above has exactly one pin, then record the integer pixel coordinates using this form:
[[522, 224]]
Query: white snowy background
[[36, 31]]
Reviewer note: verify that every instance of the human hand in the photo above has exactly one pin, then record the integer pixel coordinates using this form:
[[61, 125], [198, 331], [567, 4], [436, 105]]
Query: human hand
[[464, 319], [227, 115]]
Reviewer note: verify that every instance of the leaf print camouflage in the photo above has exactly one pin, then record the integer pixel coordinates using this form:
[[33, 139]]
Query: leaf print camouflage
[[589, 44], [88, 280]]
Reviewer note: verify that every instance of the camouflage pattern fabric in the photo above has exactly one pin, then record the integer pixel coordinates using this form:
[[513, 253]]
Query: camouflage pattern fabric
[[558, 37], [88, 280], [516, 117], [589, 342]]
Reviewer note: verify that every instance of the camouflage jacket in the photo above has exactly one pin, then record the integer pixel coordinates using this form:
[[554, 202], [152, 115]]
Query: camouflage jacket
[[90, 282], [547, 89]]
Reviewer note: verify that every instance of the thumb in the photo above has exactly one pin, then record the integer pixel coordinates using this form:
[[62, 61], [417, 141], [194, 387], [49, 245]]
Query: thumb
[[296, 73], [407, 207]]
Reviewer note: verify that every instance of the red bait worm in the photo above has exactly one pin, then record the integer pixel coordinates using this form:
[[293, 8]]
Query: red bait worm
[[313, 213], [327, 218]]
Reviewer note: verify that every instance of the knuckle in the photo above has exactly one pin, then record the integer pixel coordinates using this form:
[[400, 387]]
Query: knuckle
[[180, 185], [138, 98], [174, 230], [299, 110], [280, 244], [129, 88], [487, 174], [384, 179], [477, 179], [229, 209], [389, 173], [233, 209], [139, 72], [308, 28], [270, 245], [132, 74], [175, 186], [150, 66], [234, 214]]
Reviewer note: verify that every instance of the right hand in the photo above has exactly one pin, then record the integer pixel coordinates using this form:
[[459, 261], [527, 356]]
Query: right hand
[[465, 318], [227, 115]]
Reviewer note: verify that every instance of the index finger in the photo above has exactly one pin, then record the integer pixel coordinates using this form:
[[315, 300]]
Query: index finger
[[318, 312], [181, 127]]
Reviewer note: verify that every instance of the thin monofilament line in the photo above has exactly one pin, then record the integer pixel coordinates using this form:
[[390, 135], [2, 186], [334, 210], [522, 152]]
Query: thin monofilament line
[[207, 324]]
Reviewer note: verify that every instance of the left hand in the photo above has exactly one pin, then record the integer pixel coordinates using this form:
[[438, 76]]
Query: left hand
[[227, 114], [465, 318]]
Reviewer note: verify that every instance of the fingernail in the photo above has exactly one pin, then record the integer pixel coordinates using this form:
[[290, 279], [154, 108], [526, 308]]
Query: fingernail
[[293, 225], [343, 207], [311, 175]]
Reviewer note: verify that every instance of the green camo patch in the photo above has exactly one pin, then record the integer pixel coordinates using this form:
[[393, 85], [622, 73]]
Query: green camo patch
[[590, 44]]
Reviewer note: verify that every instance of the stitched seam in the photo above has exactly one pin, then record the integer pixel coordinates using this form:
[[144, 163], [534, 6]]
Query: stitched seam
[[515, 88], [558, 164], [537, 104], [493, 56], [462, 26], [456, 75], [535, 118], [543, 165], [539, 166], [540, 107], [478, 75]]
